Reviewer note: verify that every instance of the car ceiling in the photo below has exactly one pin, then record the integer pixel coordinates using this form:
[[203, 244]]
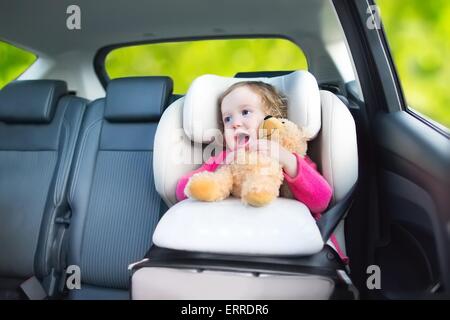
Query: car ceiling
[[40, 26]]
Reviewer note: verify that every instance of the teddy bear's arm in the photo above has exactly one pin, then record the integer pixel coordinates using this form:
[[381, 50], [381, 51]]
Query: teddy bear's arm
[[185, 179], [210, 186], [210, 165]]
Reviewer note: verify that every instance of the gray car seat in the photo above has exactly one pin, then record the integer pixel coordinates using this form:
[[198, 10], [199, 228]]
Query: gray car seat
[[39, 124], [114, 204]]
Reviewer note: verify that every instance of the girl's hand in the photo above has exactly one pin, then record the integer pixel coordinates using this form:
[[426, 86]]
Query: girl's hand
[[274, 150]]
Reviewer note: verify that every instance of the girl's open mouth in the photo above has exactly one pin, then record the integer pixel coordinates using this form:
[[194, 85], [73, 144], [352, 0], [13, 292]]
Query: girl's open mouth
[[241, 139]]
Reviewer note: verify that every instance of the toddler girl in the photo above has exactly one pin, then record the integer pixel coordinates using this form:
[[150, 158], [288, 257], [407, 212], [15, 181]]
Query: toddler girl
[[243, 107]]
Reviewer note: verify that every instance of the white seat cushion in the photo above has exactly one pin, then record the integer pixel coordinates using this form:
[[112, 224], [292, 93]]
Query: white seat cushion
[[284, 227]]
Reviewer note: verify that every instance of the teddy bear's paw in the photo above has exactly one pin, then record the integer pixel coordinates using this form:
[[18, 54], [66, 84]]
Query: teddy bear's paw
[[205, 189], [259, 198]]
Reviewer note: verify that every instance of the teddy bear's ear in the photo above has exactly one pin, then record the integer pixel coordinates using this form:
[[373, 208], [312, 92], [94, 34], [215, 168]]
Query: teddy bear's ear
[[302, 130], [268, 126]]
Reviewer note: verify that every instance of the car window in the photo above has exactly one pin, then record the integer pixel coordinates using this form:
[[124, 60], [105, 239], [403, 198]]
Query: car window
[[13, 62], [186, 60], [418, 35]]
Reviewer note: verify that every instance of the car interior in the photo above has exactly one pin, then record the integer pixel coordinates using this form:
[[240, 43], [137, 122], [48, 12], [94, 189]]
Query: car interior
[[89, 164]]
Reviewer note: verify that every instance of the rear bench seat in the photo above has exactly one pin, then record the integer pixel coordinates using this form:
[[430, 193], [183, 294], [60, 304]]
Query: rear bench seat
[[112, 196], [39, 124]]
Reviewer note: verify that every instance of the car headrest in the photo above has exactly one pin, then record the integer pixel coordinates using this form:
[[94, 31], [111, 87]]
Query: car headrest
[[30, 101], [137, 99], [201, 111]]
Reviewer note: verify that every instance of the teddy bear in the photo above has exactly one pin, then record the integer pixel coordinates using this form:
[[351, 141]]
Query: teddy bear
[[251, 176]]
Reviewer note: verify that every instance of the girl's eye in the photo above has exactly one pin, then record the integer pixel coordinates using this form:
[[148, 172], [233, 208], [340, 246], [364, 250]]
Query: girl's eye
[[245, 112], [227, 119]]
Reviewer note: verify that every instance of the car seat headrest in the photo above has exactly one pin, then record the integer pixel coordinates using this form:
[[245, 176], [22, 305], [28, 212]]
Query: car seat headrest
[[201, 110], [30, 101], [137, 99]]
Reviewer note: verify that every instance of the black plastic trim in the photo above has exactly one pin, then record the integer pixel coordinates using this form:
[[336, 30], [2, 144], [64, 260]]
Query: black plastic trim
[[324, 263]]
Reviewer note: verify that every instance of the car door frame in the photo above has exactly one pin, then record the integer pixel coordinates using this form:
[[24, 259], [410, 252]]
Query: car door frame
[[385, 123]]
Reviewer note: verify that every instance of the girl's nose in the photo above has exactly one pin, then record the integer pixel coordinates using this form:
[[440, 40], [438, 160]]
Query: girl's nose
[[237, 123]]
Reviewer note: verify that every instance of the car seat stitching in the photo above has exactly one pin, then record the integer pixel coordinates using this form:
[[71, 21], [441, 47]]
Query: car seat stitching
[[72, 147], [64, 156], [81, 155], [47, 106], [57, 185], [86, 216], [41, 266], [47, 102], [56, 197]]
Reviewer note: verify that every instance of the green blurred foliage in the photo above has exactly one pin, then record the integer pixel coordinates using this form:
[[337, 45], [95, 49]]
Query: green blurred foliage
[[184, 61], [13, 62], [418, 33]]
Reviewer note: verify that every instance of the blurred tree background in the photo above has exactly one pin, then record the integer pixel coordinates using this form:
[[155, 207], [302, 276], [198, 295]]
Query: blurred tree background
[[13, 62], [419, 37], [185, 61], [418, 33]]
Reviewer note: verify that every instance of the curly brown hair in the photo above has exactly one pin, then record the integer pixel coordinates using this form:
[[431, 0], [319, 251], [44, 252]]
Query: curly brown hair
[[275, 104]]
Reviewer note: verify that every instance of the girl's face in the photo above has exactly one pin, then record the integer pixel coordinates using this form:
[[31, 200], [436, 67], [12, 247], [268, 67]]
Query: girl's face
[[242, 113]]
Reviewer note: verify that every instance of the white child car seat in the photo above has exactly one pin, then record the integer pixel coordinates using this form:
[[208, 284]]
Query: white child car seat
[[191, 234]]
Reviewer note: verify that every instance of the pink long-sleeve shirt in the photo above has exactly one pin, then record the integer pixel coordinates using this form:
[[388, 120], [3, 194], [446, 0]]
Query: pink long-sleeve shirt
[[308, 186]]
